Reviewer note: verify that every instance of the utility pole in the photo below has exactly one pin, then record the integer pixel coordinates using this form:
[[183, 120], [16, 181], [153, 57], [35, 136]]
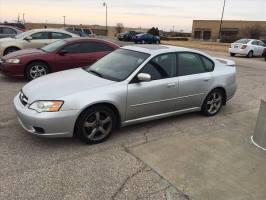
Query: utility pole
[[23, 18], [106, 27], [220, 30], [64, 20]]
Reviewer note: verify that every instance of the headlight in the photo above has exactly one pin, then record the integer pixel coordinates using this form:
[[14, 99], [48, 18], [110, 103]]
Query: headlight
[[46, 106], [13, 61]]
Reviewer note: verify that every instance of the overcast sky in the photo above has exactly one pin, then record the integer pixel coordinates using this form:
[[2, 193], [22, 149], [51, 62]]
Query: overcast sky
[[137, 13]]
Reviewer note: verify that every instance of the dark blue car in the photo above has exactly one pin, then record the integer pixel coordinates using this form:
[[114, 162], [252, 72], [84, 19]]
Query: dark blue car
[[146, 38]]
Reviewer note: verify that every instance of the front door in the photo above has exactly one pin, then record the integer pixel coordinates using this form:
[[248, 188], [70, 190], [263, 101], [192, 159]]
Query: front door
[[39, 39], [157, 96]]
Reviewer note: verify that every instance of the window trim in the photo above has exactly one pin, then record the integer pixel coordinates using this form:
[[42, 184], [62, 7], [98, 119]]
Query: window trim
[[200, 57]]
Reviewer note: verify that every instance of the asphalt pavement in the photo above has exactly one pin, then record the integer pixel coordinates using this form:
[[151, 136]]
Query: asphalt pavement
[[39, 168]]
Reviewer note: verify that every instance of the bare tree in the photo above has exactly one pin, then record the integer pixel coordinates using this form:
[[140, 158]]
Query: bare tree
[[119, 28], [254, 32]]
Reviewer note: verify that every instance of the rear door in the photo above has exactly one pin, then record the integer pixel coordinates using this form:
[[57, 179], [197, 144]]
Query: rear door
[[195, 79]]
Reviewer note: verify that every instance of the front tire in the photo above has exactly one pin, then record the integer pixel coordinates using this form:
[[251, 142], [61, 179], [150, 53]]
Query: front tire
[[232, 54], [35, 70], [95, 124], [213, 103]]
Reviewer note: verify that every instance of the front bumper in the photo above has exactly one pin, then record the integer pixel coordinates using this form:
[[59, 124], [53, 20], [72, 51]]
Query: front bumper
[[12, 69], [54, 124], [239, 51]]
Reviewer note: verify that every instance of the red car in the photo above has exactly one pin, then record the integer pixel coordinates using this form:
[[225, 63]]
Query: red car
[[60, 55]]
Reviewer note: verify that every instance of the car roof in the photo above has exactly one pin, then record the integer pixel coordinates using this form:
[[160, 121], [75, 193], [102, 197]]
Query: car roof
[[51, 30], [79, 39], [159, 49]]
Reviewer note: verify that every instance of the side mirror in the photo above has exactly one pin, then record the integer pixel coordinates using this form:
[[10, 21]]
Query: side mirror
[[63, 52], [28, 38], [143, 77]]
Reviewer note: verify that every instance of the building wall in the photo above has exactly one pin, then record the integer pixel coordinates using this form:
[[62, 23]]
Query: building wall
[[214, 25]]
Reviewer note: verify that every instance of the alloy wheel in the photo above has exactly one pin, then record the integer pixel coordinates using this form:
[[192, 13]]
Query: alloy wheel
[[214, 103], [97, 125], [37, 71]]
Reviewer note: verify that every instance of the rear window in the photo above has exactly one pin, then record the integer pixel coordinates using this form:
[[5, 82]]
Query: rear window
[[243, 41]]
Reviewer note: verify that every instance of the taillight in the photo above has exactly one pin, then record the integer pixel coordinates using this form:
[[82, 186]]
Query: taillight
[[244, 46]]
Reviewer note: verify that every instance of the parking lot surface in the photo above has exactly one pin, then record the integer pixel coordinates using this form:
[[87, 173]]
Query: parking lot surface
[[38, 168]]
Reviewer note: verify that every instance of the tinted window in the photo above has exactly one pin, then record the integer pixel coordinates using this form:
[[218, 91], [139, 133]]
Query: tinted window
[[40, 36], [189, 63], [56, 35], [88, 47], [163, 66], [8, 31], [118, 65], [209, 65], [73, 48]]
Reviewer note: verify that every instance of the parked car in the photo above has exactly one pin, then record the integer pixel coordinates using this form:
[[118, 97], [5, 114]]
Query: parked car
[[60, 55], [82, 32], [36, 38], [17, 25], [132, 84], [146, 38], [8, 31], [247, 47], [127, 36]]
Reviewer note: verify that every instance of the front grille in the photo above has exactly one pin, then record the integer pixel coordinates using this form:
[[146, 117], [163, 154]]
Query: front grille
[[23, 98]]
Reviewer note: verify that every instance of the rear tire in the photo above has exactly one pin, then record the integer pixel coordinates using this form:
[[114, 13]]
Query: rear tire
[[232, 54], [265, 58], [35, 70], [213, 103], [250, 54], [10, 50], [95, 124]]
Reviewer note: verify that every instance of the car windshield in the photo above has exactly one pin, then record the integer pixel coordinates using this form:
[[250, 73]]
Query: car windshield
[[118, 65], [53, 46], [243, 41]]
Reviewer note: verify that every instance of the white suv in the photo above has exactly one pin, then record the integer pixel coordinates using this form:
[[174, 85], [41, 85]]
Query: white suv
[[248, 47]]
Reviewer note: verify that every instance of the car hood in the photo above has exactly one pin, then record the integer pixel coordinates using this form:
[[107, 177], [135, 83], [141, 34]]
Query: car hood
[[57, 85], [24, 52]]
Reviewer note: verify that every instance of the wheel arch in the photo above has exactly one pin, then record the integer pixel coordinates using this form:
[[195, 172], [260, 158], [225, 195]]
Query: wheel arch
[[37, 60], [222, 89], [108, 104], [12, 46]]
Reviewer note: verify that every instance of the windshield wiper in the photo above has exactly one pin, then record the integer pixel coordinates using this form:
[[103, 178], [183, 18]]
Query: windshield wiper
[[96, 73]]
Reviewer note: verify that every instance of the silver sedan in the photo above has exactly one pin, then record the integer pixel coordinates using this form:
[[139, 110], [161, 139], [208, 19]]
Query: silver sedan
[[131, 85]]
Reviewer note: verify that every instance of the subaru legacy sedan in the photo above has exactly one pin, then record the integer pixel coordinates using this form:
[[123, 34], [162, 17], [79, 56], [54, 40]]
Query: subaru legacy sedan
[[130, 85]]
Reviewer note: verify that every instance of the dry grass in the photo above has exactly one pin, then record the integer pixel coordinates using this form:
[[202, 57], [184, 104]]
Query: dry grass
[[211, 46]]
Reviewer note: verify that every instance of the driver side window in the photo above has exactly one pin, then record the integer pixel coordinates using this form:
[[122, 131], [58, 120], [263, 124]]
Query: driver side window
[[40, 36], [73, 48], [160, 67]]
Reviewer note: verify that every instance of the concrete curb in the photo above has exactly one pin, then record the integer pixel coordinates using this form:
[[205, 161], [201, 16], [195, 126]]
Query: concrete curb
[[259, 137]]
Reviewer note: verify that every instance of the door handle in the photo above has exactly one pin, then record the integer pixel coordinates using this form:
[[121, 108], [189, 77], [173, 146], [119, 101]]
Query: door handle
[[171, 85], [207, 79]]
